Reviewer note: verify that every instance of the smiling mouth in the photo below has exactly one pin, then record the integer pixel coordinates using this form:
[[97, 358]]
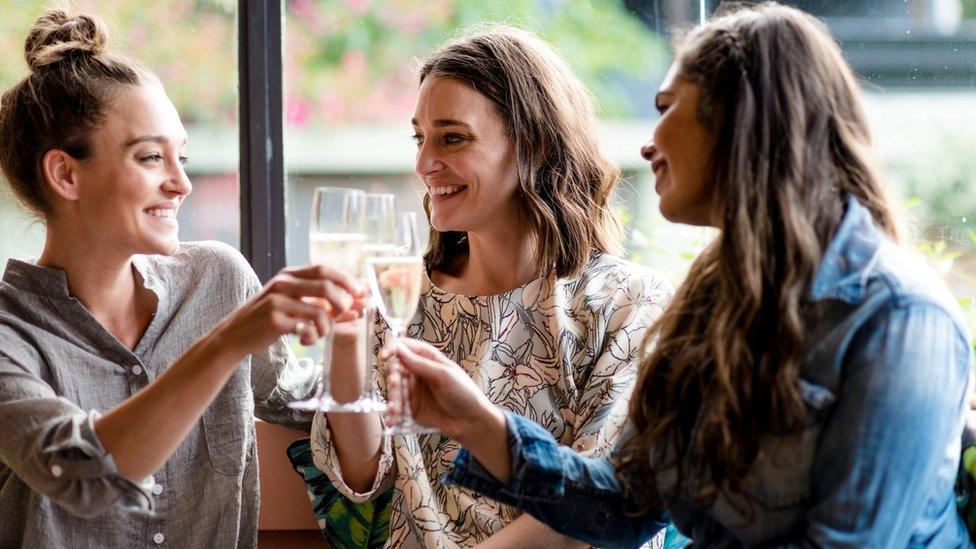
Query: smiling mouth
[[445, 190], [162, 213]]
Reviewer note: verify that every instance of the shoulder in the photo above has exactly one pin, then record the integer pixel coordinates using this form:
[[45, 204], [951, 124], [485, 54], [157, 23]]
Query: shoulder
[[609, 274], [904, 280], [208, 259]]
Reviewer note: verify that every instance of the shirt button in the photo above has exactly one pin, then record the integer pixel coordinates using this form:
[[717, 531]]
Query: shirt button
[[56, 471], [137, 370], [158, 539], [157, 489]]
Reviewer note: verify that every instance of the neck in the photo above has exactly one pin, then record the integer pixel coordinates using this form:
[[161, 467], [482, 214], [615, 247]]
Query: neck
[[102, 279], [498, 261]]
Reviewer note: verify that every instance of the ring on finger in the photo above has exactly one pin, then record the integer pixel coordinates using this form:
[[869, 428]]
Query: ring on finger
[[299, 328]]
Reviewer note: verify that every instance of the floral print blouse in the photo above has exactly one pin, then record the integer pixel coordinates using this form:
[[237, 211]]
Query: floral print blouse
[[562, 352]]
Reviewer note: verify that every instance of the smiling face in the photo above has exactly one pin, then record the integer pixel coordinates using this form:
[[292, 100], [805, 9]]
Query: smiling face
[[130, 188], [679, 154], [464, 157]]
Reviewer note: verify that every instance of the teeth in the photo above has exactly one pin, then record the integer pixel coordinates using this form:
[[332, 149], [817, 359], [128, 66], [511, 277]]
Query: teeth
[[445, 189], [162, 212]]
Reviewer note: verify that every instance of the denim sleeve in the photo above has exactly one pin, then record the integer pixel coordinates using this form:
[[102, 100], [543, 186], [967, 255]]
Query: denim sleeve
[[888, 456], [577, 496]]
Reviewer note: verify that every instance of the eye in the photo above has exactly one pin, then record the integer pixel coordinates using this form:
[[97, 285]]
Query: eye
[[417, 138], [153, 157], [452, 138], [661, 107], [184, 160]]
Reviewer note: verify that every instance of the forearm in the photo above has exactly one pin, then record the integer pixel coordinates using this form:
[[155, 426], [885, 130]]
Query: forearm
[[142, 432], [527, 532], [358, 443]]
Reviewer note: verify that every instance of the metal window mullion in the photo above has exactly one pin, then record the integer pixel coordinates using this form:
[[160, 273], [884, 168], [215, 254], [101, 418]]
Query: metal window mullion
[[262, 170]]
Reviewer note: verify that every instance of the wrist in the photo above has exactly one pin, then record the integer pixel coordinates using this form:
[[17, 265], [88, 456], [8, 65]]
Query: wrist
[[488, 429], [218, 348]]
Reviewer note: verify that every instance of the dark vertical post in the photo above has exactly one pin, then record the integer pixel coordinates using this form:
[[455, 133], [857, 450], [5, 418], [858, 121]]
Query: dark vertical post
[[262, 163]]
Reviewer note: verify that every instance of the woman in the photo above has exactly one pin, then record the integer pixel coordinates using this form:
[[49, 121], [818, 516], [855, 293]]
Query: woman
[[523, 291], [126, 403], [808, 382]]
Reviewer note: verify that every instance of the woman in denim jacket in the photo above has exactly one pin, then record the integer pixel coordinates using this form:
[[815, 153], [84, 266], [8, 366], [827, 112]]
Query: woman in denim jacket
[[808, 382]]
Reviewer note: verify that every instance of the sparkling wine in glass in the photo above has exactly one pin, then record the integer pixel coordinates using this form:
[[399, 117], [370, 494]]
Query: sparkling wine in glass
[[335, 239], [396, 281]]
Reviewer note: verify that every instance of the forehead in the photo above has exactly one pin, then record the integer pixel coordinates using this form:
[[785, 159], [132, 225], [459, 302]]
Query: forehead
[[138, 111], [449, 98]]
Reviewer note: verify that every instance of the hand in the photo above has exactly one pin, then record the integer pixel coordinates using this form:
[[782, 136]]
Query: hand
[[299, 294], [441, 393]]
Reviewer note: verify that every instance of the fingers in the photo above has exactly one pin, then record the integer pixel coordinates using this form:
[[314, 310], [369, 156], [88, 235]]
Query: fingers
[[334, 295], [425, 350], [322, 272], [415, 363]]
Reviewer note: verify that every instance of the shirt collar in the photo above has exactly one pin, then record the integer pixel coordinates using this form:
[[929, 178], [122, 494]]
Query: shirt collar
[[51, 282], [31, 278], [850, 257]]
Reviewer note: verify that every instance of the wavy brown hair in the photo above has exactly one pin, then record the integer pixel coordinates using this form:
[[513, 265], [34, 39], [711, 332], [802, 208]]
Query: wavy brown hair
[[792, 145], [565, 180], [72, 78]]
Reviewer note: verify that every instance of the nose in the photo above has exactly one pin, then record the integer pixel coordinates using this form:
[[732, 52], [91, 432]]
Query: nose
[[648, 150], [428, 161], [178, 182]]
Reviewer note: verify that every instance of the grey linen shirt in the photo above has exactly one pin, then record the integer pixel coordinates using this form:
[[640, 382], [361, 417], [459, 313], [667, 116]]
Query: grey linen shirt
[[59, 369]]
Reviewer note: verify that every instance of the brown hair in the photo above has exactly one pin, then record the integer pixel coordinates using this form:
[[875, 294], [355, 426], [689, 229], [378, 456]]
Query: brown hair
[[59, 103], [565, 180], [792, 145]]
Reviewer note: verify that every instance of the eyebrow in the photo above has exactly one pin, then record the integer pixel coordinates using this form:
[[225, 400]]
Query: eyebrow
[[149, 138], [442, 122]]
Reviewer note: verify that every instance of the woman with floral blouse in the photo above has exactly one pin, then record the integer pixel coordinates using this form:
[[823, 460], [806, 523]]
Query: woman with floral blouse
[[524, 290]]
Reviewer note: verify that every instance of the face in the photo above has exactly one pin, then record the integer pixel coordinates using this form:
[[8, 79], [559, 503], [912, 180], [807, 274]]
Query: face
[[464, 158], [679, 153], [132, 185]]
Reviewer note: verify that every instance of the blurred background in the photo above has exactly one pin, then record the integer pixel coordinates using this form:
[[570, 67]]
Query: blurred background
[[350, 86]]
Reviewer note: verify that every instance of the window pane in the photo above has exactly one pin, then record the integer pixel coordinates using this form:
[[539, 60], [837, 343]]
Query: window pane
[[350, 85], [192, 46]]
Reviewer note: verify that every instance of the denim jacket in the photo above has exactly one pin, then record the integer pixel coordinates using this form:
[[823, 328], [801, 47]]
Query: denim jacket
[[885, 379]]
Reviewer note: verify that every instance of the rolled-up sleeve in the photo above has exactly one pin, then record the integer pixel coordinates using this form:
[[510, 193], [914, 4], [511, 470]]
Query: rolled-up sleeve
[[51, 445]]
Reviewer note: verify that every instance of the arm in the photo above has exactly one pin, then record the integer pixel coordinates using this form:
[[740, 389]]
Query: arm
[[883, 457], [349, 447], [515, 461], [173, 403]]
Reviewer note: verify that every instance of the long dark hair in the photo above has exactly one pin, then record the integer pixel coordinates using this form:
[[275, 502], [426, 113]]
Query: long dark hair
[[792, 145]]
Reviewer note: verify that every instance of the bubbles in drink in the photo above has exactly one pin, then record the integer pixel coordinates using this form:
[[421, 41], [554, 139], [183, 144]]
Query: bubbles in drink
[[397, 281], [341, 251]]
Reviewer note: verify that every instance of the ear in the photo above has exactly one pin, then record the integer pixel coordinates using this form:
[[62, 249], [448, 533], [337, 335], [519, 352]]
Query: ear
[[59, 171]]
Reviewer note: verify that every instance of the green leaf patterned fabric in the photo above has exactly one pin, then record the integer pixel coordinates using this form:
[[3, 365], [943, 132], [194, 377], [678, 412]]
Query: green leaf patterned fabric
[[345, 524]]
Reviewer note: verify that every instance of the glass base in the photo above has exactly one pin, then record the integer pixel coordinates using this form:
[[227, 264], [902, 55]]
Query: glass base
[[408, 427], [325, 403]]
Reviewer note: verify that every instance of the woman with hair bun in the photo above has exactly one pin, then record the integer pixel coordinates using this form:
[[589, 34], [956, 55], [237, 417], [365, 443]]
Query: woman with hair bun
[[807, 385], [131, 364]]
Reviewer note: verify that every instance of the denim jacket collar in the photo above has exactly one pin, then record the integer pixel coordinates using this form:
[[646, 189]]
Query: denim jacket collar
[[850, 258]]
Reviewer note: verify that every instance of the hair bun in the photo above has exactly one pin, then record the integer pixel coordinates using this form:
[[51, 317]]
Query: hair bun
[[56, 37]]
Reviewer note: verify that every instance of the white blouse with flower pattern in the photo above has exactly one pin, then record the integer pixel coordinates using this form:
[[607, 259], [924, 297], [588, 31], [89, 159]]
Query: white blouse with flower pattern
[[562, 352]]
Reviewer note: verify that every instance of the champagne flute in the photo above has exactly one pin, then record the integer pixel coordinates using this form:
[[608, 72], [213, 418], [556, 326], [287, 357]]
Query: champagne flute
[[336, 239], [380, 228], [396, 281]]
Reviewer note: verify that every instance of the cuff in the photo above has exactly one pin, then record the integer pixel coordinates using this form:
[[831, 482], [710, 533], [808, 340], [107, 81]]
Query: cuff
[[72, 452], [325, 458], [537, 473]]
